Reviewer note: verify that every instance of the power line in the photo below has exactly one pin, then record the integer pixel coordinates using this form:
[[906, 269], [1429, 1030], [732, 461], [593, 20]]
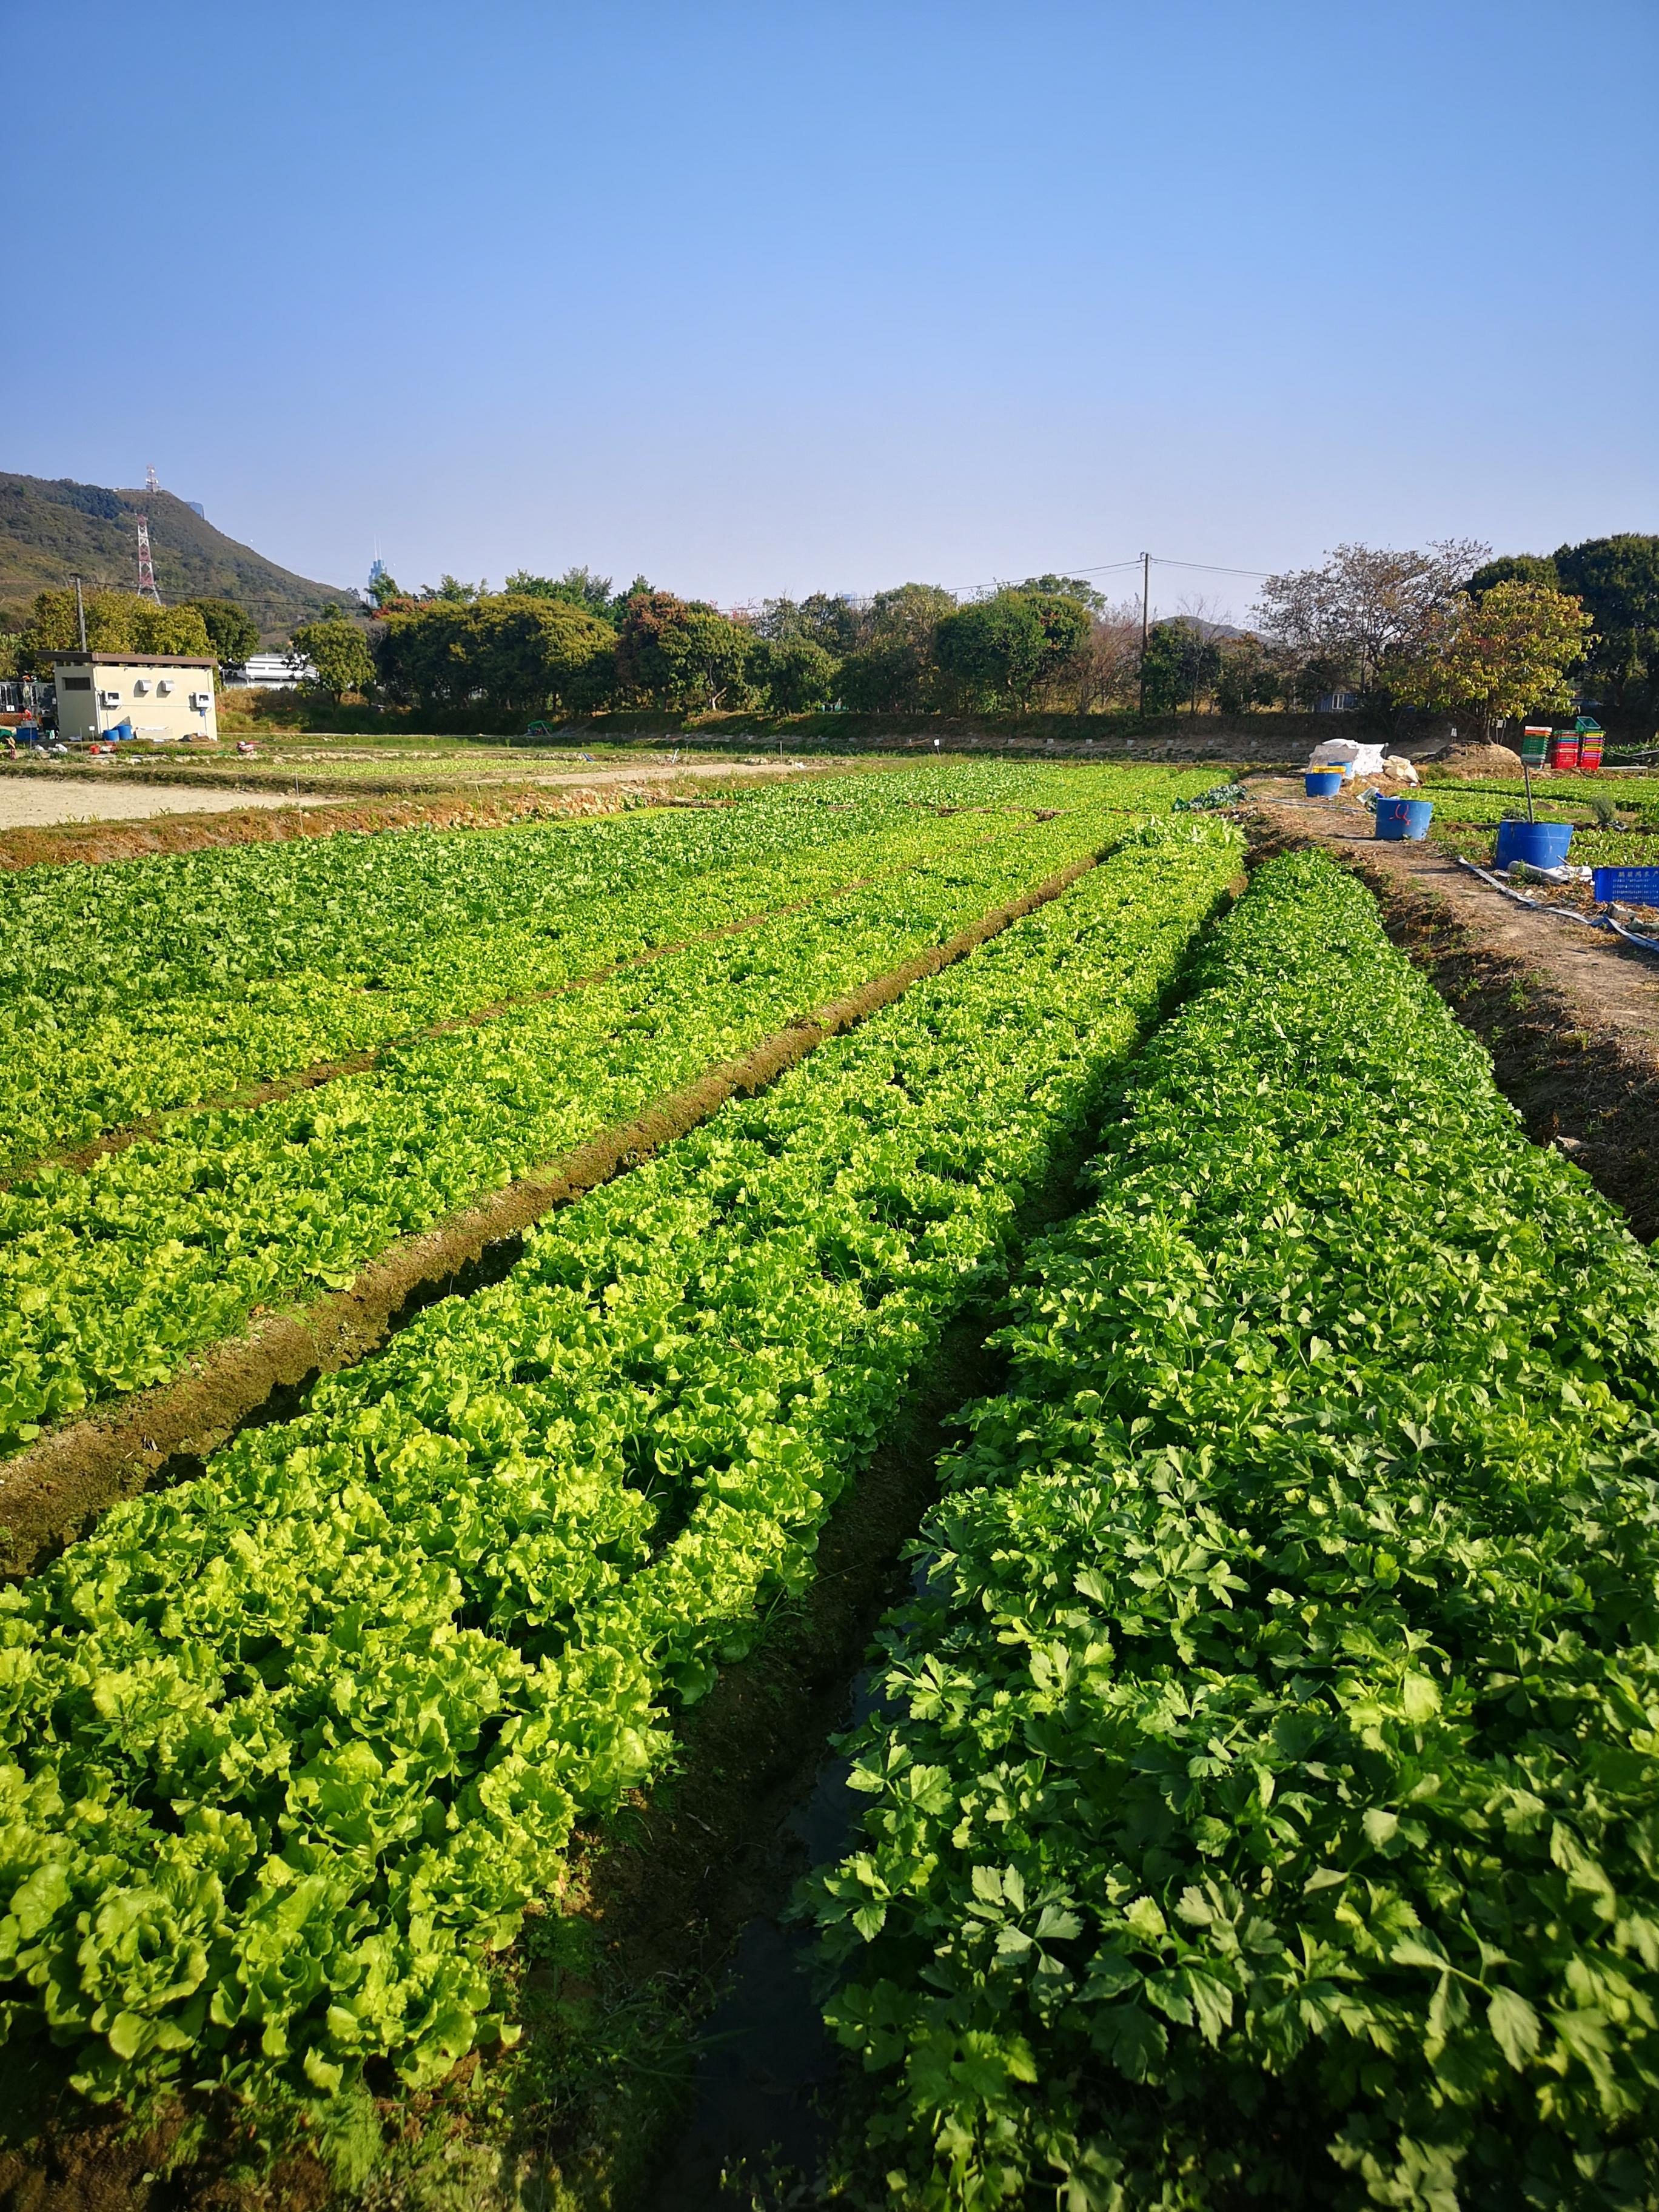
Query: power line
[[1109, 567], [1214, 568]]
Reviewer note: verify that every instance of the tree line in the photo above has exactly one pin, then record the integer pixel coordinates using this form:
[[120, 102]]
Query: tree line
[[120, 622], [573, 644], [1449, 630]]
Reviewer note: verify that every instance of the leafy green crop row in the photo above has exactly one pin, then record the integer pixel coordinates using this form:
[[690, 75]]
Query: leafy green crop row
[[1452, 804], [1267, 1807], [131, 988], [1590, 848], [110, 1278], [1635, 794], [292, 1747]]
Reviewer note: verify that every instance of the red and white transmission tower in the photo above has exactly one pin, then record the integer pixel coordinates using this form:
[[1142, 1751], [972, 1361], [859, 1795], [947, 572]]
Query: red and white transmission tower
[[146, 573]]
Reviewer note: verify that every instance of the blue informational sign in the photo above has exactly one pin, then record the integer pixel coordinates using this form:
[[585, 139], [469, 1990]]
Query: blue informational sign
[[1640, 886]]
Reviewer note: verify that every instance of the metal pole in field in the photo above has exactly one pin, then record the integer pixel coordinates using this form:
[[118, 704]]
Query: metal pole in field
[[1145, 593], [81, 613]]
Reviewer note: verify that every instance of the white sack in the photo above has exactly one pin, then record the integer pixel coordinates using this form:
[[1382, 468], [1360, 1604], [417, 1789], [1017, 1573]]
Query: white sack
[[1346, 753]]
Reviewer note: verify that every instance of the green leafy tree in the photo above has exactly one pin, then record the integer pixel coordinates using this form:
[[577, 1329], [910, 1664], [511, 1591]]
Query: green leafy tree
[[581, 588], [643, 670], [796, 674], [519, 653], [169, 630], [681, 654], [232, 632], [384, 592], [52, 626], [1617, 581], [1068, 588], [708, 658], [999, 650], [117, 622], [1506, 653], [1516, 568], [1164, 667], [338, 651], [829, 619], [894, 668], [1248, 674]]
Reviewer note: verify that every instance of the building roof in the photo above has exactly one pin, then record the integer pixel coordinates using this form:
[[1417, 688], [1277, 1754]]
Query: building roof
[[133, 660]]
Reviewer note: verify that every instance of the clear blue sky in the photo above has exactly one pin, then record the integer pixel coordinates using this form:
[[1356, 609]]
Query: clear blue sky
[[774, 297]]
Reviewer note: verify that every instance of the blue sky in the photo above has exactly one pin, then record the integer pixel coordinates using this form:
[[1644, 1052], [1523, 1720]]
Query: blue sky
[[762, 298]]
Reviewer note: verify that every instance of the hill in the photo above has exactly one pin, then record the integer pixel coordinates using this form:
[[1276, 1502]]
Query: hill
[[51, 528]]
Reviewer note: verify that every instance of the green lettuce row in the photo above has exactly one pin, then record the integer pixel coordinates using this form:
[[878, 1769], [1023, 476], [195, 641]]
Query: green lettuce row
[[291, 1747], [1267, 1804], [110, 1278], [356, 940], [78, 1080], [75, 937]]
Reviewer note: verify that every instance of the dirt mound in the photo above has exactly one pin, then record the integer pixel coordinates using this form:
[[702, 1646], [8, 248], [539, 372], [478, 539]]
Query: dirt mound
[[1474, 760]]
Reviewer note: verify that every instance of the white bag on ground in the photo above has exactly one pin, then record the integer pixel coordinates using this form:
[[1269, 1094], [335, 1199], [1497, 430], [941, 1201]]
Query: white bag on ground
[[1346, 753]]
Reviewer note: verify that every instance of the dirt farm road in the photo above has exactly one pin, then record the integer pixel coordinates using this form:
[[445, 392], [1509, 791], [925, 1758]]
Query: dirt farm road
[[32, 803], [36, 799]]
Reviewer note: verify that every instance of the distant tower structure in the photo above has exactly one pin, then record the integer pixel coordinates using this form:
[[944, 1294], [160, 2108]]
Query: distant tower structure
[[152, 482], [377, 574], [146, 573]]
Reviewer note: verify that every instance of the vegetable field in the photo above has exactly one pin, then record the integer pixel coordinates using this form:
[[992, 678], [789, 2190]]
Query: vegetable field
[[1264, 1802], [1257, 1808]]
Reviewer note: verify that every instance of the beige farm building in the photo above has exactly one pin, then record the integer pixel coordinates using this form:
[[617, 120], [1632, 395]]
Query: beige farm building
[[162, 695]]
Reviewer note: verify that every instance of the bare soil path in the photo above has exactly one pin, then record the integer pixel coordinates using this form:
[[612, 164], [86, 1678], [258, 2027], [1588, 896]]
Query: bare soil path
[[1569, 1015], [37, 802]]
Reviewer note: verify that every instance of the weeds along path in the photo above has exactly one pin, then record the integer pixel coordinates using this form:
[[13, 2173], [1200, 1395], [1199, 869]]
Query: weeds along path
[[318, 1723], [48, 1492]]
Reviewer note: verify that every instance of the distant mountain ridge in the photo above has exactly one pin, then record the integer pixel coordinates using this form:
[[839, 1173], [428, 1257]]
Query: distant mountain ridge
[[53, 527]]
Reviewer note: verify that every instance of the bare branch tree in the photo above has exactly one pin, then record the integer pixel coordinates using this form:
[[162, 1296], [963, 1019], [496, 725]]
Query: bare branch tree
[[1366, 605]]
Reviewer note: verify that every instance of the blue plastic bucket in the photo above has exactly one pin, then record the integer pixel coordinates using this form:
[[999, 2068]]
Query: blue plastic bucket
[[1403, 817], [1539, 844], [1322, 783]]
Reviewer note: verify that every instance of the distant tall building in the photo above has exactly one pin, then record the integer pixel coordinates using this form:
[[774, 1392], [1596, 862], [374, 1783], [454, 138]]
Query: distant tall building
[[377, 574]]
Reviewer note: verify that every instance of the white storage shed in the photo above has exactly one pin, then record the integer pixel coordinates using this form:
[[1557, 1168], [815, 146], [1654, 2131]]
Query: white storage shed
[[162, 695]]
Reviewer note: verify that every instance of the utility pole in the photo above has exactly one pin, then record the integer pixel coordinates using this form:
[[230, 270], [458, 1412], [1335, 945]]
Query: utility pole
[[81, 613], [1146, 598]]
